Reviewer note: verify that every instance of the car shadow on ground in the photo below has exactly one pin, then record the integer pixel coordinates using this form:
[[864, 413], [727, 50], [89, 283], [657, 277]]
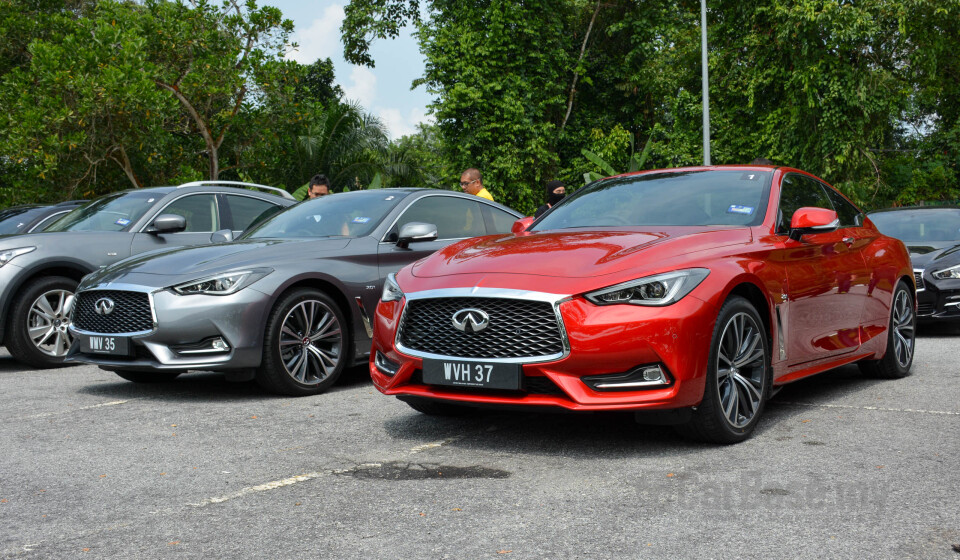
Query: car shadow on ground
[[9, 365], [205, 386], [615, 435], [938, 329]]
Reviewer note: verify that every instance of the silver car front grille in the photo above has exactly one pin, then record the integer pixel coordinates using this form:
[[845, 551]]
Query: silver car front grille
[[129, 312], [516, 329]]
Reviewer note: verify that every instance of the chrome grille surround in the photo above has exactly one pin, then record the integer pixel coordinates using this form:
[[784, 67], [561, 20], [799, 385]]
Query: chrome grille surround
[[134, 313], [475, 296]]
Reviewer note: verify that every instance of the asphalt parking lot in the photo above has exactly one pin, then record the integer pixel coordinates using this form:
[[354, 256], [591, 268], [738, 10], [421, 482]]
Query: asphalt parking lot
[[841, 467]]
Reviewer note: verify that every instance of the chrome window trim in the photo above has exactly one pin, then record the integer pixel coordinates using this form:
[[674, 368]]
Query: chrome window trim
[[49, 220], [493, 293], [122, 288]]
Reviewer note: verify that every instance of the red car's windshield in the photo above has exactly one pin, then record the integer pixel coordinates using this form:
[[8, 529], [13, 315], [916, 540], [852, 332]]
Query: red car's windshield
[[734, 197]]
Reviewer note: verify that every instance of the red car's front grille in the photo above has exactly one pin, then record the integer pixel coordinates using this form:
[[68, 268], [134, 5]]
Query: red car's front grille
[[517, 328]]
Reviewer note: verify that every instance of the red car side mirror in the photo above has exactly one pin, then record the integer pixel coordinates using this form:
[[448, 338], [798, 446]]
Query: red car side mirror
[[521, 225], [812, 220]]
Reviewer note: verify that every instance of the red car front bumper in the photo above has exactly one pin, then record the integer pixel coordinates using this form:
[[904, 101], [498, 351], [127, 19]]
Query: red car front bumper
[[603, 340]]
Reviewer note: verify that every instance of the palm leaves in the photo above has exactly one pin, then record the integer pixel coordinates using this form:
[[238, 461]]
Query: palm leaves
[[637, 160], [347, 145]]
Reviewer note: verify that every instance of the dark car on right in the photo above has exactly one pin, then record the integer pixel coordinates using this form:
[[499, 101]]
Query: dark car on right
[[932, 235]]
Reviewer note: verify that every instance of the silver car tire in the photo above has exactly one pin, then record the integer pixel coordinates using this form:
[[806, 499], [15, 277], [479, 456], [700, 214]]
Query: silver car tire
[[38, 334], [901, 338], [306, 344], [739, 375]]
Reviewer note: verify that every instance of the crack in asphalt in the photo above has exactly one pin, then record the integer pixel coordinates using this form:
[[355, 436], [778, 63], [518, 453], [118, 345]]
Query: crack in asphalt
[[400, 470]]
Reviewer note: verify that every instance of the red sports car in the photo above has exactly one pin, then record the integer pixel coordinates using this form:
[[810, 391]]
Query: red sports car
[[687, 295]]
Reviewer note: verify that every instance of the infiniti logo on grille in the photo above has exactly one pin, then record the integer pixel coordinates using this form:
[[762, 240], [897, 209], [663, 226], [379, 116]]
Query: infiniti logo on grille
[[470, 320], [103, 306]]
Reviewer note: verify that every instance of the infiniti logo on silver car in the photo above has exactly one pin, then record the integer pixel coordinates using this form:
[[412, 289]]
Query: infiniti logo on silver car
[[103, 306], [470, 320]]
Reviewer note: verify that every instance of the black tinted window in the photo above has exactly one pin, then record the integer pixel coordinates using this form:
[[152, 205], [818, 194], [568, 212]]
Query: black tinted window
[[200, 210], [246, 210], [847, 213], [454, 217], [918, 226], [685, 198], [799, 191], [498, 221]]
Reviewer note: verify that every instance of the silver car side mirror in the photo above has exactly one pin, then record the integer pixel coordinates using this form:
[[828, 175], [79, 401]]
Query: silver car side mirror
[[221, 236], [416, 232], [167, 223]]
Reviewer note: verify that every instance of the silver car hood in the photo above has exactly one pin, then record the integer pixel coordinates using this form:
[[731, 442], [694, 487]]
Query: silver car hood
[[171, 266]]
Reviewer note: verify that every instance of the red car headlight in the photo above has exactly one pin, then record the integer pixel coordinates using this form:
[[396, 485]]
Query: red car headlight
[[659, 290]]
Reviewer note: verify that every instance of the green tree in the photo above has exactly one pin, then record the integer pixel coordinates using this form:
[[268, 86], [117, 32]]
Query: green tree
[[212, 61], [85, 101], [864, 94]]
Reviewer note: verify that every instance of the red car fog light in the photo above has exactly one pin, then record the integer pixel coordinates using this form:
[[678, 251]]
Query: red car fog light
[[643, 377], [384, 365]]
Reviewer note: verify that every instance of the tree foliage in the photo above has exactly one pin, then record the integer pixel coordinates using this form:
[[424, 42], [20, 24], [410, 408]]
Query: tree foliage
[[864, 94]]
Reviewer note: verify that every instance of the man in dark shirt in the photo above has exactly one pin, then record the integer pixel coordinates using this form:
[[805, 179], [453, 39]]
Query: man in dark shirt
[[555, 193]]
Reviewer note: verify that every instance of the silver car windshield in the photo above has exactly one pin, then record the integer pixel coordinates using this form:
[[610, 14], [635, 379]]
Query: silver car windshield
[[114, 212], [352, 214], [733, 197]]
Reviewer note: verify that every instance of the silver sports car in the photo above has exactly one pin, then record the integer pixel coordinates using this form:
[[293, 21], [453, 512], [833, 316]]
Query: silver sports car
[[288, 303]]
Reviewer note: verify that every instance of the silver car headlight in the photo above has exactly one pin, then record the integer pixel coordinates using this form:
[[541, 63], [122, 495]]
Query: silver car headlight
[[222, 284], [947, 273], [659, 290], [391, 290], [10, 254]]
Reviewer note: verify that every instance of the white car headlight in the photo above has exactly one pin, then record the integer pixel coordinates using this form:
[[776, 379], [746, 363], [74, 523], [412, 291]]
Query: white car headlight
[[10, 254], [391, 290], [947, 273], [223, 284], [659, 290]]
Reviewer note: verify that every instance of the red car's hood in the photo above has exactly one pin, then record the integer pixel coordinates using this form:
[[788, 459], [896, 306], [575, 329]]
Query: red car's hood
[[574, 254]]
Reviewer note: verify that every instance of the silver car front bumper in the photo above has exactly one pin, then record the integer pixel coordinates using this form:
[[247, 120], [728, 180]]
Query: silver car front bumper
[[183, 327]]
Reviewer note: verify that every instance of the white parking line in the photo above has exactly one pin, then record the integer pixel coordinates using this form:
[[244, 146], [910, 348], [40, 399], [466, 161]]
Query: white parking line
[[880, 408], [68, 411], [263, 488], [434, 445], [275, 484]]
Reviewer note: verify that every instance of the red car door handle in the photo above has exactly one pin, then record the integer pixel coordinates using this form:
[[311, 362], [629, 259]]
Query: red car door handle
[[848, 241]]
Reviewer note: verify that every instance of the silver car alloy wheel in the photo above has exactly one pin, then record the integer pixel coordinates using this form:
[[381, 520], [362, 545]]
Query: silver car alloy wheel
[[310, 342], [48, 322], [903, 329], [740, 369]]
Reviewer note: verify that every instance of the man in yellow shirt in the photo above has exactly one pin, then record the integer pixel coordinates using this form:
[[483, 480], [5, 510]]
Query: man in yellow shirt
[[471, 183]]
